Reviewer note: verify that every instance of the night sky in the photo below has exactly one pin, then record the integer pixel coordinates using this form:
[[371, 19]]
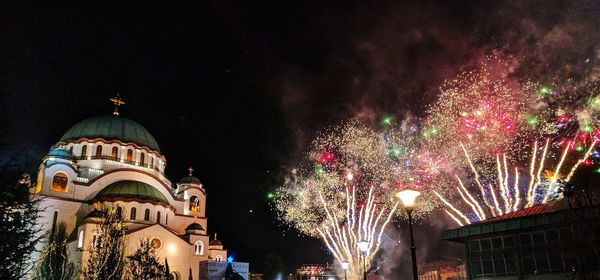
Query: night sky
[[237, 89]]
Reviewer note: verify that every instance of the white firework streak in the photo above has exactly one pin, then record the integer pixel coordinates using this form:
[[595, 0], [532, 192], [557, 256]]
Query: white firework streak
[[340, 237], [585, 157]]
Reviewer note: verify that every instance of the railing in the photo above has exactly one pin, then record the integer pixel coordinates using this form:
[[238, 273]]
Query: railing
[[117, 160]]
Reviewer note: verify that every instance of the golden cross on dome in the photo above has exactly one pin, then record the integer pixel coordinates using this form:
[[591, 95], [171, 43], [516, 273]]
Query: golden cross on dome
[[118, 102], [190, 170]]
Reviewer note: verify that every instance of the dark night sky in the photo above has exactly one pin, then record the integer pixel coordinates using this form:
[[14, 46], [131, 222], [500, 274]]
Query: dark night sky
[[236, 89]]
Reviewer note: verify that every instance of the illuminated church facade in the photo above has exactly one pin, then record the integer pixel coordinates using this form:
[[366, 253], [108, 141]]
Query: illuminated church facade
[[112, 160]]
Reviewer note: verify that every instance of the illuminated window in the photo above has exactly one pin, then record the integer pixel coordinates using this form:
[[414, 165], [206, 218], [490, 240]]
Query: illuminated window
[[129, 155], [132, 214], [147, 215], [156, 243], [84, 151], [80, 240], [194, 203], [59, 182], [158, 217], [115, 153], [142, 161], [99, 151], [199, 248], [40, 180]]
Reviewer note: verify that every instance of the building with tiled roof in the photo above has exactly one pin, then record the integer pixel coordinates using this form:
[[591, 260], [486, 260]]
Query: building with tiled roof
[[545, 241]]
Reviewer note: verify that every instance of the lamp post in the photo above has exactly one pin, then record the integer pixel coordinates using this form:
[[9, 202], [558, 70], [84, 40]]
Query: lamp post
[[363, 246], [408, 196], [345, 265]]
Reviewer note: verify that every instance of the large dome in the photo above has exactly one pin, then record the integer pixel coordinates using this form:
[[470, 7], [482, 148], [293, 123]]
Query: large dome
[[112, 128], [130, 190]]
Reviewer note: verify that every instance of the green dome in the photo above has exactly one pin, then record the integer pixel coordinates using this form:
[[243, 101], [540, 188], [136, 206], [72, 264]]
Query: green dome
[[189, 180], [112, 128], [131, 190], [194, 226], [60, 153]]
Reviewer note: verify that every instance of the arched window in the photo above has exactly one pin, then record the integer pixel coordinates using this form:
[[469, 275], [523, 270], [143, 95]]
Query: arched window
[[129, 155], [84, 151], [71, 150], [115, 153], [99, 151], [142, 161], [158, 217], [151, 162], [199, 248], [194, 203], [59, 182], [132, 214], [54, 220], [166, 218], [147, 215], [219, 258], [119, 212], [80, 240]]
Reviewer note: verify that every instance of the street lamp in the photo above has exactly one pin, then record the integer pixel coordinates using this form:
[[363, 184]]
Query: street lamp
[[345, 265], [363, 246], [408, 196]]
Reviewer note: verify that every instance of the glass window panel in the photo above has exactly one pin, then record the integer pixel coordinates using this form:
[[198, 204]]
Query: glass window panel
[[476, 270], [566, 235], [541, 262], [511, 264], [497, 243], [525, 239], [486, 245], [509, 241], [499, 268], [538, 237], [488, 268], [474, 245], [570, 259], [528, 264], [552, 236], [556, 263]]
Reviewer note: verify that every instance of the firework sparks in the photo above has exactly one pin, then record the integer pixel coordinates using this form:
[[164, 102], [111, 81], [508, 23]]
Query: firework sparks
[[511, 193]]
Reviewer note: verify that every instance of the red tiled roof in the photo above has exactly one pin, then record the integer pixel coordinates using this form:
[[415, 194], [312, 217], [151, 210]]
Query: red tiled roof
[[531, 211]]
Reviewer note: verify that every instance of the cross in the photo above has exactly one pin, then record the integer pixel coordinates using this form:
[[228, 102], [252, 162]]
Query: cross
[[190, 170], [118, 102]]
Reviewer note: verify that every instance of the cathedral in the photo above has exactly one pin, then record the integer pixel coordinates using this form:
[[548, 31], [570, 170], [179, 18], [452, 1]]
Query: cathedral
[[113, 160]]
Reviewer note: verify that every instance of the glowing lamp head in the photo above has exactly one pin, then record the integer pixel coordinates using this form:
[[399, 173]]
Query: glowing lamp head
[[363, 246], [345, 265], [408, 197]]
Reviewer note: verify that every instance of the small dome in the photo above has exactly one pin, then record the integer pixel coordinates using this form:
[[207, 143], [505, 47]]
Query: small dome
[[112, 128], [189, 180], [60, 153], [131, 190], [95, 214], [194, 226], [215, 242]]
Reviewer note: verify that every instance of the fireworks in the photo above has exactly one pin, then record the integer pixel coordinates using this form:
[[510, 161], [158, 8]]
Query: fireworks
[[345, 192], [486, 112], [505, 195]]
